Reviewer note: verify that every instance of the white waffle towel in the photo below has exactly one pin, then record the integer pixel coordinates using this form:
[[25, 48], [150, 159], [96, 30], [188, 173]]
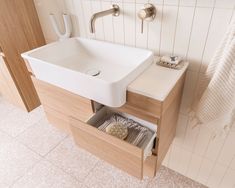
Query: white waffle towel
[[218, 87]]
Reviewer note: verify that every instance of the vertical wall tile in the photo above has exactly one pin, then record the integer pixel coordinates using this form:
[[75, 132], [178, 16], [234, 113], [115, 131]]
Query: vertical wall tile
[[205, 3], [78, 6], [174, 158], [118, 27], [203, 140], [224, 3], [154, 31], [181, 130], [188, 3], [220, 20], [167, 157], [99, 27], [87, 13], [189, 91], [216, 175], [183, 31], [228, 180], [194, 166], [179, 159], [198, 37], [233, 163], [168, 29], [129, 23], [227, 154], [108, 23], [205, 170], [191, 137]]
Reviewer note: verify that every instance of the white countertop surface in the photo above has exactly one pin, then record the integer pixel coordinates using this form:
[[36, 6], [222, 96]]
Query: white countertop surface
[[156, 81]]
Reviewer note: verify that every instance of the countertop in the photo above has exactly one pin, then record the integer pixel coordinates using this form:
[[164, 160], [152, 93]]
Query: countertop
[[156, 81]]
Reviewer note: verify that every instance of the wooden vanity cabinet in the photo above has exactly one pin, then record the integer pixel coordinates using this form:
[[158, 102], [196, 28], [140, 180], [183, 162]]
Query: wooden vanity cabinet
[[72, 113], [20, 31], [60, 105]]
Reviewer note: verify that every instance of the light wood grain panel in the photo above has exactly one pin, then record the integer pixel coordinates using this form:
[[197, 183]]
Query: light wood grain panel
[[150, 166], [178, 88], [57, 119], [7, 86], [21, 30], [63, 101], [139, 113], [168, 122], [117, 152]]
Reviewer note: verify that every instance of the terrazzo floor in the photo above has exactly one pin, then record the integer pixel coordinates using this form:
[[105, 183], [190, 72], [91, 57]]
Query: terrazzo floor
[[35, 154]]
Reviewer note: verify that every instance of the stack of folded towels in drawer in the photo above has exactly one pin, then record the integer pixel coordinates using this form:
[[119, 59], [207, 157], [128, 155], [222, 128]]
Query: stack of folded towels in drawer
[[137, 134]]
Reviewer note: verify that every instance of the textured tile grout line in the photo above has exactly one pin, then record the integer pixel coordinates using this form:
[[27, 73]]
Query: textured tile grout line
[[29, 169], [177, 16], [195, 88]]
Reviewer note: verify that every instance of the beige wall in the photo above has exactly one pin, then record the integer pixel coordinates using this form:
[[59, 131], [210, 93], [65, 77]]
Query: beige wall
[[187, 28]]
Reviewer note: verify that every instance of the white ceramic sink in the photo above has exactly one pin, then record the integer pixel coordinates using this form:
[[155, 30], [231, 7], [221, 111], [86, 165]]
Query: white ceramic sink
[[93, 69]]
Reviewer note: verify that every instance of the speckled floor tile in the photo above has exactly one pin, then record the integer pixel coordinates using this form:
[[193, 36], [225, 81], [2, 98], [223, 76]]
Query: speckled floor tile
[[18, 120], [5, 108], [167, 178], [41, 137], [15, 160], [45, 175], [73, 160], [105, 175]]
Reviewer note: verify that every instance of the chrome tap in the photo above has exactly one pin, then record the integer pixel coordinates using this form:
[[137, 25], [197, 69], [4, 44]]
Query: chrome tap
[[115, 11]]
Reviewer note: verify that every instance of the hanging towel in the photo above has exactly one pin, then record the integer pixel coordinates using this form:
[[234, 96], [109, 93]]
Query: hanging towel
[[217, 90]]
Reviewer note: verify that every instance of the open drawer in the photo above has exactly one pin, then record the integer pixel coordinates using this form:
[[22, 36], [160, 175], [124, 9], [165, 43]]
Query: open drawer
[[119, 153]]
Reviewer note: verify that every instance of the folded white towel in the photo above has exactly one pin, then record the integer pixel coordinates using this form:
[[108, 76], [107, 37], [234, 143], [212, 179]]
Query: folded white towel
[[217, 89]]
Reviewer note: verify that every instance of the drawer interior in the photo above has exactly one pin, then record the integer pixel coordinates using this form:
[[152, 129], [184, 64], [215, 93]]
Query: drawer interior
[[148, 141]]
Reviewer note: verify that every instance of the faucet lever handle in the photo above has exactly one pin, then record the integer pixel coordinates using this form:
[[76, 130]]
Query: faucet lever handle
[[148, 13]]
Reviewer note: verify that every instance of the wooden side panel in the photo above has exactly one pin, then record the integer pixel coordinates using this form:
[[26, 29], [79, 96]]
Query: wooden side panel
[[150, 166], [20, 27], [57, 119], [144, 103], [7, 86], [178, 89], [168, 122], [113, 150], [63, 101]]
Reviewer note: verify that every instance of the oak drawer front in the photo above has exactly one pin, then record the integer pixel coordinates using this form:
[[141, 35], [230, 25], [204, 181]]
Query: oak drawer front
[[148, 105], [118, 152], [63, 101], [57, 119]]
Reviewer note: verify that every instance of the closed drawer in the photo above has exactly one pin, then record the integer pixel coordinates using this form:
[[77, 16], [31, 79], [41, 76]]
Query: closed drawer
[[120, 153], [63, 101]]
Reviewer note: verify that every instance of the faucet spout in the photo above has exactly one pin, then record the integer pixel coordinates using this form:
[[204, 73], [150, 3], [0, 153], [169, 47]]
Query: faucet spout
[[115, 11]]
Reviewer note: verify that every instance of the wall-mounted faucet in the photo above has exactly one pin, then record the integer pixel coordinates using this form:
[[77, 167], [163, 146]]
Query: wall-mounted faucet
[[147, 13], [115, 11]]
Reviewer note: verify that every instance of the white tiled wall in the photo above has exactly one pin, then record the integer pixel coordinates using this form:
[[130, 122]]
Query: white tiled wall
[[189, 28]]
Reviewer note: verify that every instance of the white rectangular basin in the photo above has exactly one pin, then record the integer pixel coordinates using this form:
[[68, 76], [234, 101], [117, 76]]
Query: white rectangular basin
[[97, 70]]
